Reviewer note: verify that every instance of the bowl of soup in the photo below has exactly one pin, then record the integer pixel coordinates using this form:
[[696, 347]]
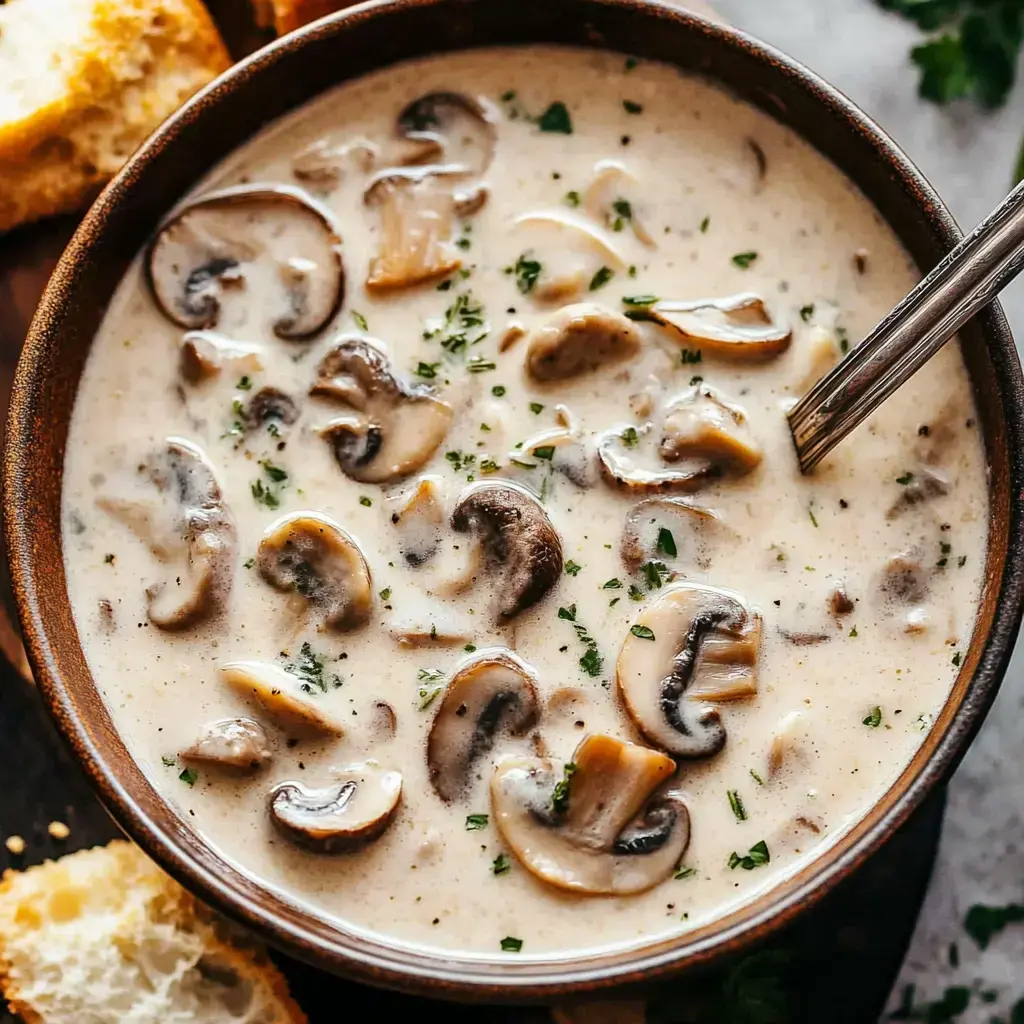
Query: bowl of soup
[[404, 521]]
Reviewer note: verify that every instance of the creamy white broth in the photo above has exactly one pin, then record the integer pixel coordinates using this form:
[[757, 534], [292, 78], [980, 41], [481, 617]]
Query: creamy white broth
[[825, 264]]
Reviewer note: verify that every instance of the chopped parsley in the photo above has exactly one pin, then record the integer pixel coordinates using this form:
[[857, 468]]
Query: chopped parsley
[[463, 326], [431, 684], [556, 119], [475, 822], [501, 864], [428, 371], [630, 438], [853, 632], [844, 340], [632, 107], [385, 594], [365, 501], [479, 364], [639, 300], [572, 198], [635, 593], [249, 563], [810, 512], [572, 568], [536, 408], [874, 718], [169, 762], [744, 260], [957, 658], [689, 356], [244, 384], [736, 803], [755, 857], [189, 776], [360, 320], [590, 662], [601, 278], [498, 390], [984, 923], [108, 559], [265, 495], [460, 461], [526, 272], [757, 778], [275, 473], [612, 584], [806, 312], [655, 573], [905, 479], [682, 873], [309, 668], [642, 632], [704, 225], [560, 794], [510, 944]]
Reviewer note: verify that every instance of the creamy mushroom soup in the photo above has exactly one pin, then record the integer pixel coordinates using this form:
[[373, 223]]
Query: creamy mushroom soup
[[434, 532]]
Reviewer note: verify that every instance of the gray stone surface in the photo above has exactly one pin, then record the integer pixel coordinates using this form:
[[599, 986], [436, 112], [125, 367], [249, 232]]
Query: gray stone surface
[[969, 157]]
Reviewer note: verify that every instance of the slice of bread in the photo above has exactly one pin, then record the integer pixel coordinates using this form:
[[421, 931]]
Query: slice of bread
[[103, 936], [82, 83]]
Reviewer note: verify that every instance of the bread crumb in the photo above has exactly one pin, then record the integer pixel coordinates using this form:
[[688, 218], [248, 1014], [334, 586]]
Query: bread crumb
[[15, 845], [58, 830]]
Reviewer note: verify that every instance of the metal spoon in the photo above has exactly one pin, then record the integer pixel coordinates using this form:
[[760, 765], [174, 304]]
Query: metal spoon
[[970, 277]]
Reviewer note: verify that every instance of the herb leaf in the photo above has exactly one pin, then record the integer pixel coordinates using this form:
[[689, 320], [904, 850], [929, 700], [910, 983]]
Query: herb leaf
[[744, 260], [642, 632], [556, 119], [984, 923], [560, 794], [475, 822]]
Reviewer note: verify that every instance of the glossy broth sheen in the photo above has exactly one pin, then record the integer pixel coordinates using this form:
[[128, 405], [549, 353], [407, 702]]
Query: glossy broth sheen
[[802, 237]]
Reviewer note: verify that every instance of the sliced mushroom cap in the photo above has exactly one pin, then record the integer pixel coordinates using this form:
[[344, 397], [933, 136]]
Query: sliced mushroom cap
[[599, 827], [701, 426], [204, 246], [563, 251], [417, 211], [398, 427], [308, 553], [926, 483], [613, 199], [691, 642], [238, 743], [561, 448], [690, 528], [205, 353], [199, 588], [521, 546], [620, 467], [904, 579], [270, 405], [352, 811], [493, 694], [579, 339], [464, 127], [736, 327], [284, 696], [419, 516]]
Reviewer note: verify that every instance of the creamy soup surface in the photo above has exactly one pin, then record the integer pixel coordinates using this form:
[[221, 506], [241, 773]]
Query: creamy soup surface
[[389, 557]]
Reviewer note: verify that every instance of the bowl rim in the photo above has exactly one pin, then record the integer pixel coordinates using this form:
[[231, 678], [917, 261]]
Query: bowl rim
[[447, 973]]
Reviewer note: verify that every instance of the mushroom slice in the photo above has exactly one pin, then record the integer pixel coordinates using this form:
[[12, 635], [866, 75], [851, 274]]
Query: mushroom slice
[[310, 554], [238, 743], [600, 825], [560, 448], [701, 426], [643, 532], [619, 466], [205, 537], [493, 694], [926, 483], [419, 515], [322, 163], [904, 579], [398, 427], [205, 353], [417, 212], [464, 127], [355, 809], [692, 641], [565, 251], [270, 405], [284, 696], [578, 339], [612, 199], [736, 327], [519, 543], [205, 246]]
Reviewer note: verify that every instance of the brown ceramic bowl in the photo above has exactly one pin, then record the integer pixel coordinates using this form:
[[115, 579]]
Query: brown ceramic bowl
[[275, 81]]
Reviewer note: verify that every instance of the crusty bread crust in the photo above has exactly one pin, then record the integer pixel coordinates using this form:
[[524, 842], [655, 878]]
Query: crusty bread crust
[[132, 65], [287, 15], [115, 898]]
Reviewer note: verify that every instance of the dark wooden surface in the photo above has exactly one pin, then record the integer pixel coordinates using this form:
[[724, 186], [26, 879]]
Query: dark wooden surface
[[837, 965]]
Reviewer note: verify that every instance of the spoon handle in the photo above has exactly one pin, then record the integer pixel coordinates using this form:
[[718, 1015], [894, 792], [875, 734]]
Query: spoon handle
[[969, 277]]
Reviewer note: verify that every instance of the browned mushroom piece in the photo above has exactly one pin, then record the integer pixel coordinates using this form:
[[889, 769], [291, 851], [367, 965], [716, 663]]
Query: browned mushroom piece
[[690, 531], [205, 247], [234, 743], [492, 694], [736, 327], [601, 824], [463, 128], [269, 406], [839, 601], [395, 428], [903, 579], [384, 721], [417, 210], [204, 354], [284, 696], [614, 198], [702, 425], [579, 339], [691, 645], [353, 810], [561, 449], [309, 554], [200, 539], [523, 551], [925, 484]]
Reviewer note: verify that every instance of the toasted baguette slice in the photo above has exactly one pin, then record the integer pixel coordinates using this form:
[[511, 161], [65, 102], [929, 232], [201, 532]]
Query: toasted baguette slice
[[287, 15], [103, 936], [82, 83]]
